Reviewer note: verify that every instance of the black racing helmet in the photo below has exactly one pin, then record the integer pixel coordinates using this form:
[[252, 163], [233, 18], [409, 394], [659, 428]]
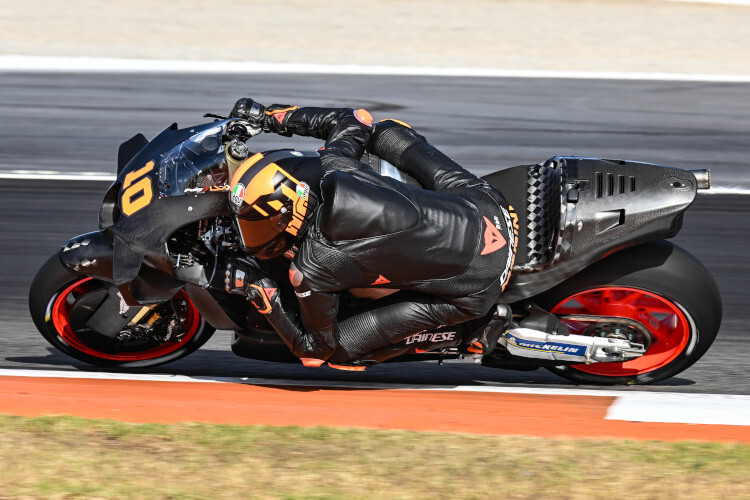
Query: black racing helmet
[[273, 197]]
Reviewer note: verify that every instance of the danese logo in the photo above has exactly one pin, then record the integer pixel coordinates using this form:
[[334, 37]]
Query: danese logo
[[431, 337]]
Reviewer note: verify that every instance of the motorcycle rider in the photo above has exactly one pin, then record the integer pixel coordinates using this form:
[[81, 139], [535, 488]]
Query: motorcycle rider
[[447, 248]]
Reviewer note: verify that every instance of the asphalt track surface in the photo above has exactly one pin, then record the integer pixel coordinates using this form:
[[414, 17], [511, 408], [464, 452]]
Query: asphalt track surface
[[74, 123]]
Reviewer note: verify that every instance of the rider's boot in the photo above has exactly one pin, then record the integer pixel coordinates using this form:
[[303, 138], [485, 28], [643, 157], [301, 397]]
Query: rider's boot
[[484, 339]]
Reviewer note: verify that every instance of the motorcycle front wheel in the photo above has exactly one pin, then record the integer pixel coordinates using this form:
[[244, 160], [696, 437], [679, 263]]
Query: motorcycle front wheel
[[62, 301], [656, 294]]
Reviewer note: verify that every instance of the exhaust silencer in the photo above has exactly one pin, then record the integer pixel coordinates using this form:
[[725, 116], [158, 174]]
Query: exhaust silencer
[[702, 177]]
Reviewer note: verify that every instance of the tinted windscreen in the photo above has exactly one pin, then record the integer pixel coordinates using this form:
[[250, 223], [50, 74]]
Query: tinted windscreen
[[194, 165]]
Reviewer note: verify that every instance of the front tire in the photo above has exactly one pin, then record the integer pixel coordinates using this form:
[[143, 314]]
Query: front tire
[[61, 301], [659, 285]]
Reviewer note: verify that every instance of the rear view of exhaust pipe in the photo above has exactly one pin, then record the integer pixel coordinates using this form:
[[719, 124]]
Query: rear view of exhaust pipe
[[702, 177]]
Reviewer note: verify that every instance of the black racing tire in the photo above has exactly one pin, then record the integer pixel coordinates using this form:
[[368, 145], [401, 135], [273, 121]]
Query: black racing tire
[[58, 306], [661, 286]]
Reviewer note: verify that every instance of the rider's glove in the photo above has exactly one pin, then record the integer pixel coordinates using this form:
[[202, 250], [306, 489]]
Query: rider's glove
[[254, 113], [267, 119], [262, 294], [244, 278], [240, 273]]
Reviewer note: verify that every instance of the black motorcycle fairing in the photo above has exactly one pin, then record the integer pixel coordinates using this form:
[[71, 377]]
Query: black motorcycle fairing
[[129, 149], [99, 255], [210, 309], [142, 240], [90, 254], [154, 150], [578, 210], [141, 210], [155, 147]]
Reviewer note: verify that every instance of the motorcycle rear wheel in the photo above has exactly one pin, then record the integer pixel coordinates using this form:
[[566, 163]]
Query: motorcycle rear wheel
[[61, 301], [660, 286]]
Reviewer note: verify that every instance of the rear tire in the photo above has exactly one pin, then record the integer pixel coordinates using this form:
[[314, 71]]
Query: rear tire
[[659, 285], [60, 301]]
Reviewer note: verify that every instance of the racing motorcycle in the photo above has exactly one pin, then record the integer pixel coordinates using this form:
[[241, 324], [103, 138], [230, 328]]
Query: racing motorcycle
[[598, 294]]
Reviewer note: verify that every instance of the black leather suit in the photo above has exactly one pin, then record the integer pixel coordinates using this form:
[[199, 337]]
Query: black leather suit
[[448, 247]]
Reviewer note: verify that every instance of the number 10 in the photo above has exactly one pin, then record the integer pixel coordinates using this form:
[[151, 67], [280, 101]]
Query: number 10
[[138, 195]]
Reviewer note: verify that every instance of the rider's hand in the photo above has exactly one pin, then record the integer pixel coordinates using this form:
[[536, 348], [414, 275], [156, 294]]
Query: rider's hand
[[254, 113], [242, 277], [262, 294], [239, 274]]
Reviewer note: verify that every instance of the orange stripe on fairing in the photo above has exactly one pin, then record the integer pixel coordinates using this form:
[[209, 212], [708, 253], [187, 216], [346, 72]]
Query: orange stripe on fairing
[[244, 167]]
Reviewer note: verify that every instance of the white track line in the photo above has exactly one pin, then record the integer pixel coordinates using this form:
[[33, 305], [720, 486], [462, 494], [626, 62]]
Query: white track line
[[712, 409], [289, 382], [18, 63], [307, 383], [682, 408], [57, 176]]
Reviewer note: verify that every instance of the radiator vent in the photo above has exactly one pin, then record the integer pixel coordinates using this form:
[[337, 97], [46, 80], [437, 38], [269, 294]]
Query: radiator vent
[[608, 184]]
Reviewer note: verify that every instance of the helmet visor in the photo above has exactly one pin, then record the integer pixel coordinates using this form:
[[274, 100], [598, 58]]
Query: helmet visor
[[256, 233]]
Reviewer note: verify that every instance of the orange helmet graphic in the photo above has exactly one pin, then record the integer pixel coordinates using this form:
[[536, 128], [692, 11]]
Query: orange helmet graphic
[[273, 200]]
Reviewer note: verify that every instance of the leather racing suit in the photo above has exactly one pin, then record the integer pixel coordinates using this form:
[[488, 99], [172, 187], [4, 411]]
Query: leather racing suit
[[449, 248]]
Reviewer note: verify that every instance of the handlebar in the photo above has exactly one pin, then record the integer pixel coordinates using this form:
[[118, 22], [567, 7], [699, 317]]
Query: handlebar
[[242, 129], [239, 128]]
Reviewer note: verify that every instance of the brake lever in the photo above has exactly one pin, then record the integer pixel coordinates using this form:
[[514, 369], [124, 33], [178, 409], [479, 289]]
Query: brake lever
[[218, 117]]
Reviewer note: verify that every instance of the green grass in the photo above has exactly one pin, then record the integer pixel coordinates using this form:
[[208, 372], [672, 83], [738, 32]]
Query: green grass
[[71, 458]]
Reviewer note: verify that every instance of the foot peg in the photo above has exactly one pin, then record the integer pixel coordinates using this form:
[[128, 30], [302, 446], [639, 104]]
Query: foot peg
[[485, 339]]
